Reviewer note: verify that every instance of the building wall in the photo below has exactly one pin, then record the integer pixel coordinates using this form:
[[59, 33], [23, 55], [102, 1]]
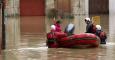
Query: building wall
[[48, 22], [100, 8], [112, 19], [80, 11], [0, 28], [12, 23], [32, 7]]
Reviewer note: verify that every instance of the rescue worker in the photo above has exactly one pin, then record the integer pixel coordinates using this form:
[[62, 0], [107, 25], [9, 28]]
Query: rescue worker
[[53, 28], [101, 34], [90, 28], [51, 38], [52, 42], [58, 26], [69, 29]]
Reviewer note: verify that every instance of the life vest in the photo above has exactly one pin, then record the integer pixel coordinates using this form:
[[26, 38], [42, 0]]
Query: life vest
[[58, 27]]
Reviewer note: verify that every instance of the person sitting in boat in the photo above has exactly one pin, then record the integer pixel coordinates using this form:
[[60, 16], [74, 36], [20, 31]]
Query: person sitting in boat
[[90, 28], [69, 29], [101, 34], [57, 25], [53, 28], [51, 38]]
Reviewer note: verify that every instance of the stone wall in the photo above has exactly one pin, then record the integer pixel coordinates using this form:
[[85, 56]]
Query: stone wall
[[112, 20], [12, 23], [80, 11]]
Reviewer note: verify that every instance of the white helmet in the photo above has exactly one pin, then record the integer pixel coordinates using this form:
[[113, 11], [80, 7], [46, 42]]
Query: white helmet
[[87, 19], [53, 27], [98, 27]]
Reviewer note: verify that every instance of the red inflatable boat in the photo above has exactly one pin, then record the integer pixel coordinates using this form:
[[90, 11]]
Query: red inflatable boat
[[61, 40]]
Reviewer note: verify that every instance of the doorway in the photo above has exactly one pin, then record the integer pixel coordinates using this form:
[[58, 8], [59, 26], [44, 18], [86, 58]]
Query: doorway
[[100, 8], [32, 16]]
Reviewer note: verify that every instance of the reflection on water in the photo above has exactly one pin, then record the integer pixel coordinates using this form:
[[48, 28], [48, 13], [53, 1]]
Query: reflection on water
[[33, 48], [36, 50], [104, 52]]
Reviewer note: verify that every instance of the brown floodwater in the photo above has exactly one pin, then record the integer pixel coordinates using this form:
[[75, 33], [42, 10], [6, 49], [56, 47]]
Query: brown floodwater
[[104, 52], [34, 48], [37, 50]]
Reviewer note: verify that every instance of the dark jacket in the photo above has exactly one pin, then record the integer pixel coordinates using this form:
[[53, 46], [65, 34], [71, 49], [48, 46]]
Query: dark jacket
[[90, 28]]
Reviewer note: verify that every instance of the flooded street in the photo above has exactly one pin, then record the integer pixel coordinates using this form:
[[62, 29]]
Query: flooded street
[[26, 35], [34, 48], [104, 52], [27, 46]]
